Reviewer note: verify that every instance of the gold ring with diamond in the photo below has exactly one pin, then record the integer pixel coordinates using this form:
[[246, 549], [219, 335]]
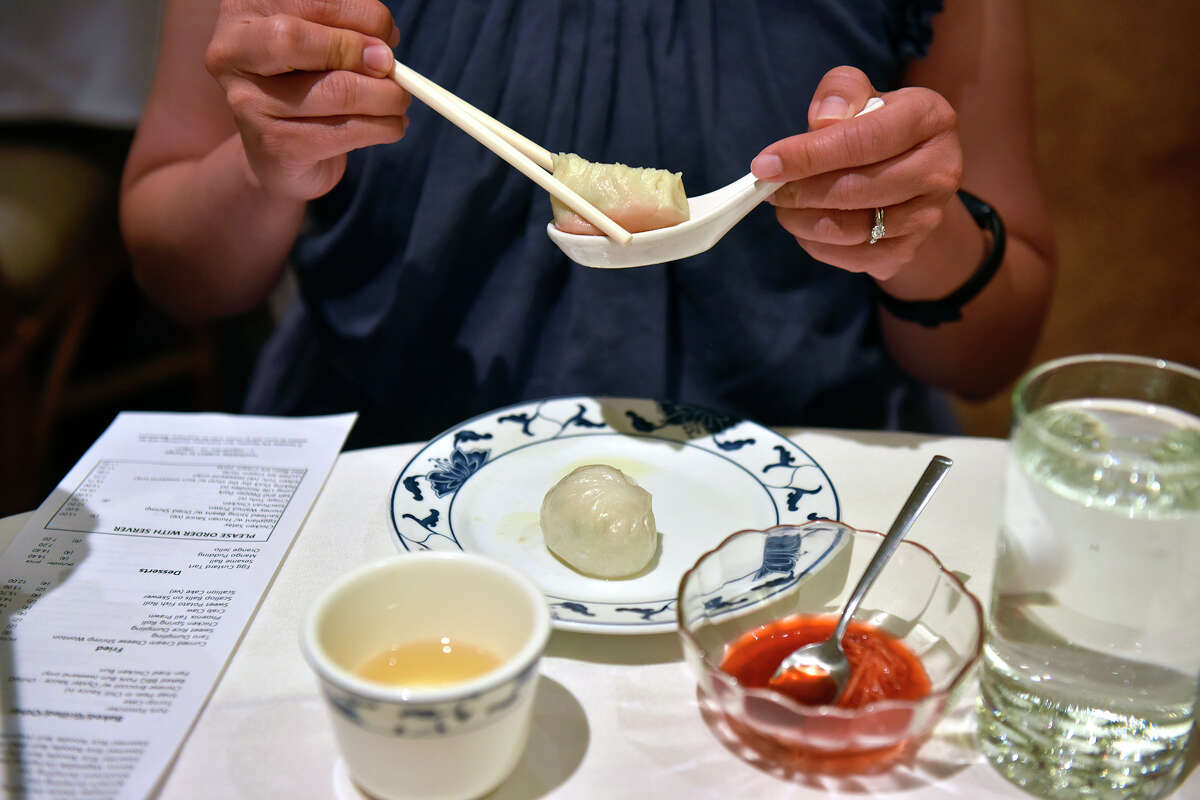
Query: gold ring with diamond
[[878, 229]]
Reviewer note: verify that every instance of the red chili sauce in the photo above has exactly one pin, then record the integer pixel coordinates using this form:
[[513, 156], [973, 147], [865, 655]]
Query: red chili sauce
[[881, 666]]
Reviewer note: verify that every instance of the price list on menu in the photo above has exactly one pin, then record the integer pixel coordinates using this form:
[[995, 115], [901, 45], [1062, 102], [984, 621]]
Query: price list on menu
[[125, 593]]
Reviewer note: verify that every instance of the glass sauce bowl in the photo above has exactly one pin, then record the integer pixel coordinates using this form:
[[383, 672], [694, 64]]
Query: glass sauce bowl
[[755, 577]]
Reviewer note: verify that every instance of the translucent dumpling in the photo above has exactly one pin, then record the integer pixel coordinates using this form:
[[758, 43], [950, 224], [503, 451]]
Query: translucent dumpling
[[600, 522], [636, 198]]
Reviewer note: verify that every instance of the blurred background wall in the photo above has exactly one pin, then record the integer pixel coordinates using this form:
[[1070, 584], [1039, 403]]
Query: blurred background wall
[[1118, 120], [1119, 149], [77, 341]]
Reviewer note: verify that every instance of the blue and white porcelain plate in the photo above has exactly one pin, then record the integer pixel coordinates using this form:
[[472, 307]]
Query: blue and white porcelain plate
[[479, 487]]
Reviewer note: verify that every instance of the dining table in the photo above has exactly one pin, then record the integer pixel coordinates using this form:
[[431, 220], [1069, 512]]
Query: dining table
[[615, 715]]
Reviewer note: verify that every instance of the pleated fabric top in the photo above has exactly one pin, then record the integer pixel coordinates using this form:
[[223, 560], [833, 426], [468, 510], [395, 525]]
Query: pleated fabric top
[[431, 293]]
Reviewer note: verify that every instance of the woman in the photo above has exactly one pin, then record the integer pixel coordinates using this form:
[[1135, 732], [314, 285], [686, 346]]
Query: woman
[[429, 290]]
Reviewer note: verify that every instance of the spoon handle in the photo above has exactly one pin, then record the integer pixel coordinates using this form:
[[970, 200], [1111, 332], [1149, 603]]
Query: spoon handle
[[934, 473]]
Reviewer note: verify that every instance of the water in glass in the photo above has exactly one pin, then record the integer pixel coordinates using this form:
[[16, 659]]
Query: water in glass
[[1089, 682]]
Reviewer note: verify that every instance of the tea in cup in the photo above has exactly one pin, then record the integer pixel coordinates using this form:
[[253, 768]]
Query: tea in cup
[[429, 665]]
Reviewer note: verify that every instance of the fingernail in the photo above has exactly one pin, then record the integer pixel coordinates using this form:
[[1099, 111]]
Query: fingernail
[[833, 107], [394, 39], [377, 58], [766, 165]]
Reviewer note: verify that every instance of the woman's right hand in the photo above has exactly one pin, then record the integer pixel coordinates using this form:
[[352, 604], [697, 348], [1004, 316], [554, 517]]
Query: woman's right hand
[[307, 83]]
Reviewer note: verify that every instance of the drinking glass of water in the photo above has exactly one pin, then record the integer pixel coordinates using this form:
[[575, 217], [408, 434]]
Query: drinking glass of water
[[1090, 670]]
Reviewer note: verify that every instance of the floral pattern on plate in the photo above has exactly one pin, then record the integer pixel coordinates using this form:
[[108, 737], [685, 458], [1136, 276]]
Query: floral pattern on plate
[[479, 486]]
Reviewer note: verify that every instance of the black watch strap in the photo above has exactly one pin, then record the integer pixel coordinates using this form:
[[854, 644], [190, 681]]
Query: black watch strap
[[932, 313]]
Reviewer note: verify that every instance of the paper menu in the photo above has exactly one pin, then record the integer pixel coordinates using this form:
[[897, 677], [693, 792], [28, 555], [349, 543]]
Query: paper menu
[[127, 590]]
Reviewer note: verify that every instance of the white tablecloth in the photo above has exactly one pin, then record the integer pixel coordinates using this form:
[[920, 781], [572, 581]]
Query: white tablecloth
[[616, 716]]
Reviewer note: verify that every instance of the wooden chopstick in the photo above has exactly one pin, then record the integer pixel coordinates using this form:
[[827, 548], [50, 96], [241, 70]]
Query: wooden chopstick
[[540, 155], [532, 160]]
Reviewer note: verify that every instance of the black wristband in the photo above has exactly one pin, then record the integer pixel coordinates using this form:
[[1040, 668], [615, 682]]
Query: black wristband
[[932, 313]]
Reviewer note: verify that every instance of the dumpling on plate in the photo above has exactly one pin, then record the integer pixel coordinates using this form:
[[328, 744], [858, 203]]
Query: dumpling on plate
[[636, 198], [599, 521]]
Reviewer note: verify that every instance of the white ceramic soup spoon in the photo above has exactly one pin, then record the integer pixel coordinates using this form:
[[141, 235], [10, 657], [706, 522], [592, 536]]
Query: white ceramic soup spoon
[[710, 216]]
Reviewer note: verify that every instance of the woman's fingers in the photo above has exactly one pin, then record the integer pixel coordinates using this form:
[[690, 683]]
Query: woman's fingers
[[323, 94], [904, 158], [934, 167], [298, 141], [842, 93], [907, 118], [842, 238], [370, 17], [282, 43], [881, 260], [305, 158], [918, 216], [305, 80]]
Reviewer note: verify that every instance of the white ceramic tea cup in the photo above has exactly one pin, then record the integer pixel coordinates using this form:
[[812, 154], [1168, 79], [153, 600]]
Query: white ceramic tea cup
[[455, 740]]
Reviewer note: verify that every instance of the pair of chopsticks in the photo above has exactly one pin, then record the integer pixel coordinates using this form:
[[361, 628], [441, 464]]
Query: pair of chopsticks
[[530, 158]]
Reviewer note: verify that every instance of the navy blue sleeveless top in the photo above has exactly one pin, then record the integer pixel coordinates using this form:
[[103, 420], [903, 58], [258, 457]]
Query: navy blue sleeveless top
[[430, 292]]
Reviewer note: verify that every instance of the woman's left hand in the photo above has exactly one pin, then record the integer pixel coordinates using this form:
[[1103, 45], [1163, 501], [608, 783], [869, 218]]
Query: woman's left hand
[[904, 158]]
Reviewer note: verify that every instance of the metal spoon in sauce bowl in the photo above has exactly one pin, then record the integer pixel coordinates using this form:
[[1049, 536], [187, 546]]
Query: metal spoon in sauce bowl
[[710, 216], [825, 661]]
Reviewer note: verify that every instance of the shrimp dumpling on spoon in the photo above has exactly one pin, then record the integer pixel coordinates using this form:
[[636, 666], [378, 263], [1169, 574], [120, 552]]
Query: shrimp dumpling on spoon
[[600, 522], [636, 198]]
